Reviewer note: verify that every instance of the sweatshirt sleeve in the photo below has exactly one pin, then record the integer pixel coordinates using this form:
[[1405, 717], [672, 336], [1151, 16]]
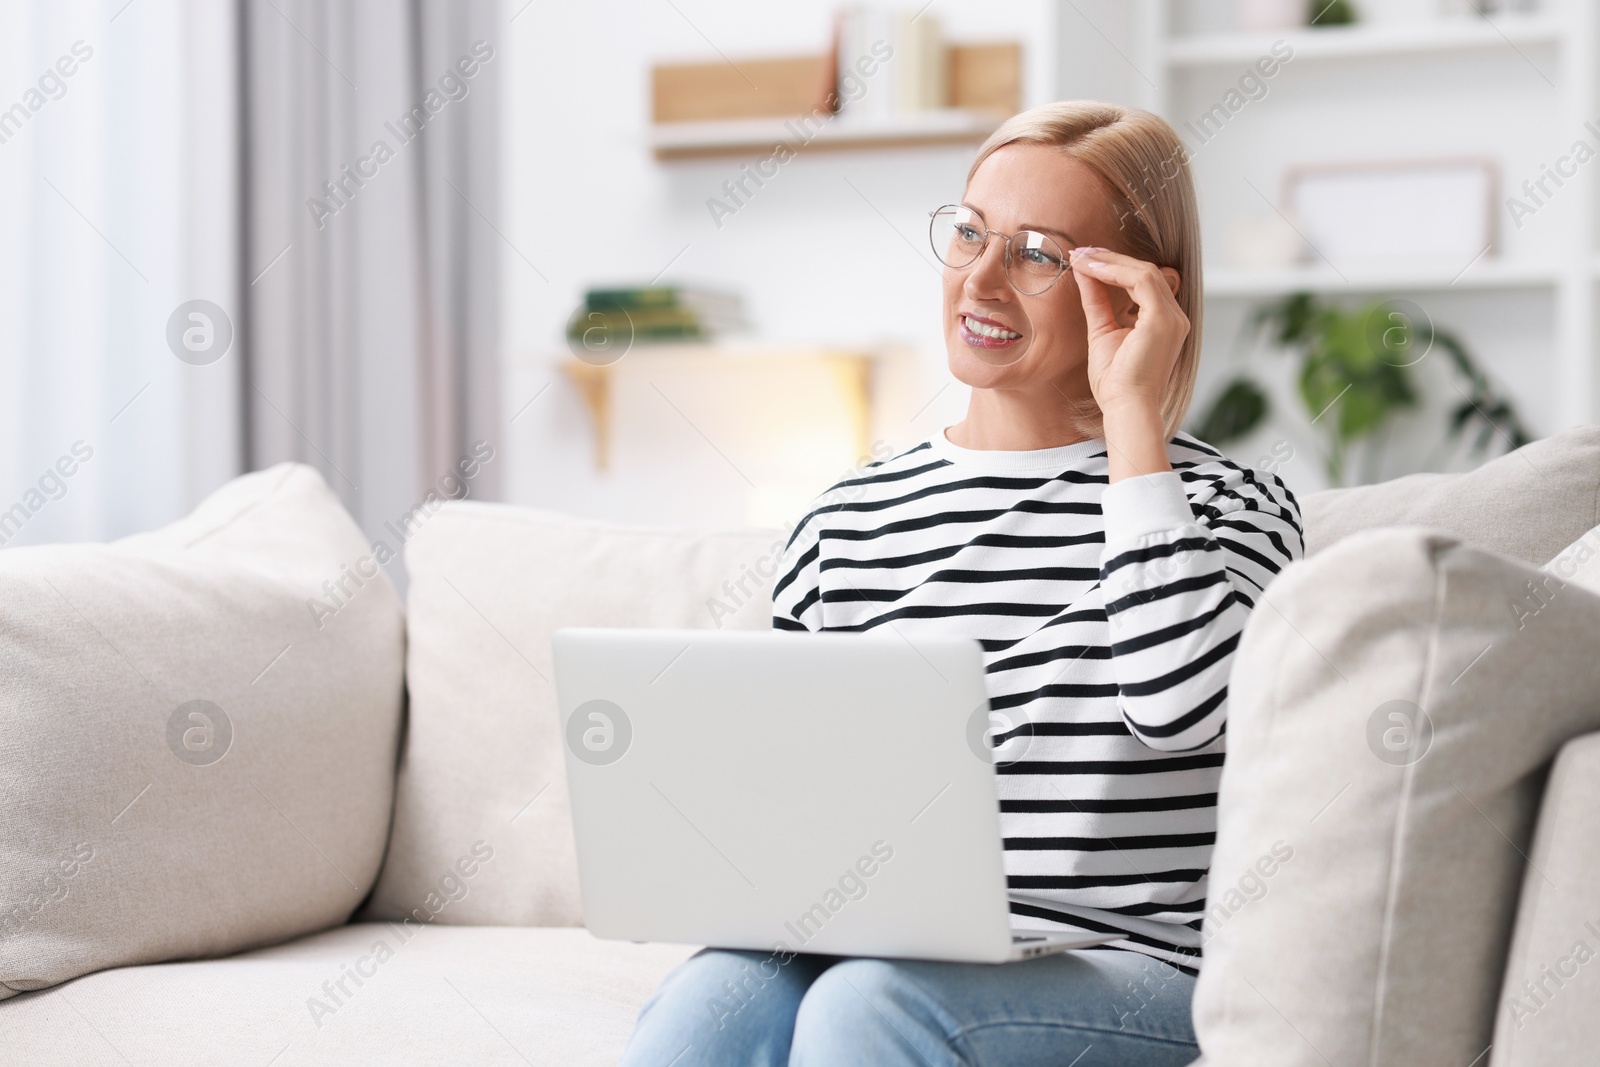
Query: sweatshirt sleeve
[[1186, 557], [796, 592]]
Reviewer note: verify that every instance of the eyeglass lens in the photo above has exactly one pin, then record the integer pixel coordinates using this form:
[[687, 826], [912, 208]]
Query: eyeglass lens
[[1033, 260]]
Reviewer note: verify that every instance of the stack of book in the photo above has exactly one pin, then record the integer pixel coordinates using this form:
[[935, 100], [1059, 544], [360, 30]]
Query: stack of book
[[889, 62], [657, 313]]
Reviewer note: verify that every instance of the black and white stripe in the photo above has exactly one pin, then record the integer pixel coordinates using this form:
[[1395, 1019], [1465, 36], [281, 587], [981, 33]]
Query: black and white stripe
[[1108, 616]]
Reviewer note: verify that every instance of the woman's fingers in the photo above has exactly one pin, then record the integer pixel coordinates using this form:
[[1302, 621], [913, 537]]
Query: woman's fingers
[[1143, 281], [1097, 310]]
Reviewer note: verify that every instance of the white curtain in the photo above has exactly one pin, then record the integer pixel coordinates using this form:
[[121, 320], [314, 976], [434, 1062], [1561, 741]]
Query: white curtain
[[371, 194], [118, 176], [204, 269]]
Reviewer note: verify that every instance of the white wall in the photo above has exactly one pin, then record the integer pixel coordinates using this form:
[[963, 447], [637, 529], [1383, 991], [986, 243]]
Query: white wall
[[829, 251]]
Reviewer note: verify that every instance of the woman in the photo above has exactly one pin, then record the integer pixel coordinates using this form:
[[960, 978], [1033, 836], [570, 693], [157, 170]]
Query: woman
[[1107, 564]]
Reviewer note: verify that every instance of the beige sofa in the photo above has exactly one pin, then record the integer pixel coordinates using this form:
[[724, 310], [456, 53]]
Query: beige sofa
[[252, 812]]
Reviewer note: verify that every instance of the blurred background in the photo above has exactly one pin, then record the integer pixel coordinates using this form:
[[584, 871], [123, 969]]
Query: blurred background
[[666, 261]]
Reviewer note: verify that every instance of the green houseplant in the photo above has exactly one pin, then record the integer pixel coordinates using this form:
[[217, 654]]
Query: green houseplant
[[1356, 375]]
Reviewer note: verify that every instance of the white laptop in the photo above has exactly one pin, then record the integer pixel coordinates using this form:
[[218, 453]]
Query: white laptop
[[821, 792]]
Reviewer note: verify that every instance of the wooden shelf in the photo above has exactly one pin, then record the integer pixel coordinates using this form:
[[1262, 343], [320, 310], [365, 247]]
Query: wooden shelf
[[850, 368], [687, 140], [715, 109], [1442, 35]]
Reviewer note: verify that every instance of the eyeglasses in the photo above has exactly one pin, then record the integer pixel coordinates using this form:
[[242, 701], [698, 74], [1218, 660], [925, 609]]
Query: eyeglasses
[[1033, 260]]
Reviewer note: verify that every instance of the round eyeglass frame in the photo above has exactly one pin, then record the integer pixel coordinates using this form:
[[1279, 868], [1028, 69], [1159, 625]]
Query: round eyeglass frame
[[933, 221]]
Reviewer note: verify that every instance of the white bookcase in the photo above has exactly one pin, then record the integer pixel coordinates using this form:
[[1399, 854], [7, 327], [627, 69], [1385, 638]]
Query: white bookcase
[[1409, 83]]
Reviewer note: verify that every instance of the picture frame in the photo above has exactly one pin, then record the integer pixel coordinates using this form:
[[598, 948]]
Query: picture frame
[[1388, 213]]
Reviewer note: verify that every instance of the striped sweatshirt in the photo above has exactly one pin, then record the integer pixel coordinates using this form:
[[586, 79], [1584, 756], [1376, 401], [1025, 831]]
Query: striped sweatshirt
[[1108, 617]]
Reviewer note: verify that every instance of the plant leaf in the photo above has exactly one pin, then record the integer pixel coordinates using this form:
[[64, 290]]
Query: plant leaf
[[1238, 409]]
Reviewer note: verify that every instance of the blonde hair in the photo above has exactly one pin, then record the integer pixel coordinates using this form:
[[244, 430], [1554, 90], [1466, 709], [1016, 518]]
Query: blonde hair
[[1145, 168]]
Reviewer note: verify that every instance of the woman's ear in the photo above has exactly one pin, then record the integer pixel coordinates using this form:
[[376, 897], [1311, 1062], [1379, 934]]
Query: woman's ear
[[1172, 278]]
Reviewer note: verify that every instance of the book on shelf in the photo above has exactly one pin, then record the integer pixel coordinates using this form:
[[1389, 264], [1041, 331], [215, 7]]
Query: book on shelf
[[658, 313], [890, 62]]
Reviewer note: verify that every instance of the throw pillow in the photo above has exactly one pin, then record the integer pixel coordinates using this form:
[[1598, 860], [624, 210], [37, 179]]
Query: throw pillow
[[1394, 709], [194, 760]]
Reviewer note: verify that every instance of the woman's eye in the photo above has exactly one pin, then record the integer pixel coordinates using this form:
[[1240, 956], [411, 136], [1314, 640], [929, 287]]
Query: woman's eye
[[967, 233], [1040, 258]]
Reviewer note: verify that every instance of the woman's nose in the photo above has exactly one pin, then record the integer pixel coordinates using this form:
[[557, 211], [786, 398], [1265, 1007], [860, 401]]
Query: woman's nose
[[987, 275]]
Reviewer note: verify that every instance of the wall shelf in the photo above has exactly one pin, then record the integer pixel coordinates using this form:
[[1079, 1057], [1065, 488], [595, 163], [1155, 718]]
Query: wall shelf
[[722, 137], [1487, 274], [715, 109], [1443, 35], [1421, 60], [758, 369]]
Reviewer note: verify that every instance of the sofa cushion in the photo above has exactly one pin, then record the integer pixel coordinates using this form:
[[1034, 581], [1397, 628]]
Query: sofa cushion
[[432, 995], [1528, 504], [1368, 858], [194, 757], [1579, 562], [1552, 978], [483, 759]]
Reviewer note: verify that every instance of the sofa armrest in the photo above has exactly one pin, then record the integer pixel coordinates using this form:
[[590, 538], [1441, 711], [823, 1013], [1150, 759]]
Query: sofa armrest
[[1552, 981]]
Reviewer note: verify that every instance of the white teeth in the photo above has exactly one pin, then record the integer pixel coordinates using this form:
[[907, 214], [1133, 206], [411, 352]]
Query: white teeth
[[997, 332]]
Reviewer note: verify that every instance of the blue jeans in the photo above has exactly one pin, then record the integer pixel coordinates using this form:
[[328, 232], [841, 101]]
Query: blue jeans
[[1101, 1008]]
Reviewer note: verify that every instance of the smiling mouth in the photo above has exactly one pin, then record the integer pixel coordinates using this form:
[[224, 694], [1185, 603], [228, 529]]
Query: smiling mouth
[[986, 335]]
